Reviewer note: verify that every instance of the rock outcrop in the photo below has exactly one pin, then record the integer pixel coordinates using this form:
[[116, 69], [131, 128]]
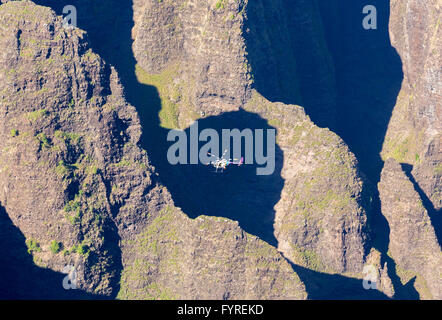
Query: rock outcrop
[[175, 255], [413, 243], [377, 272], [200, 43], [320, 220]]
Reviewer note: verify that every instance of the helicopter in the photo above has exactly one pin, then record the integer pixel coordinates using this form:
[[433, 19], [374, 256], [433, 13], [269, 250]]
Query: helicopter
[[222, 163]]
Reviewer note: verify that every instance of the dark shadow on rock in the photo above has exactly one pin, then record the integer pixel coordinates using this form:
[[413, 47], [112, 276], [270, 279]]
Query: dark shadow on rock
[[286, 52], [367, 80], [368, 74], [401, 291], [380, 230], [270, 52], [367, 69], [408, 291], [322, 286], [20, 278], [238, 194], [334, 286], [435, 215]]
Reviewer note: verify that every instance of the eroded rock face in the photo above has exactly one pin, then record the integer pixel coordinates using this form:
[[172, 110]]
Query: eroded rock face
[[320, 220], [75, 183], [414, 139], [217, 50], [377, 272], [68, 139], [175, 255], [413, 243], [414, 132], [203, 44]]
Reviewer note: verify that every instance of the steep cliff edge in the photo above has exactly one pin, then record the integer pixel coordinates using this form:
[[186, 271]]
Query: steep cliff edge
[[413, 243], [414, 132], [202, 44], [175, 255], [413, 138], [69, 158]]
